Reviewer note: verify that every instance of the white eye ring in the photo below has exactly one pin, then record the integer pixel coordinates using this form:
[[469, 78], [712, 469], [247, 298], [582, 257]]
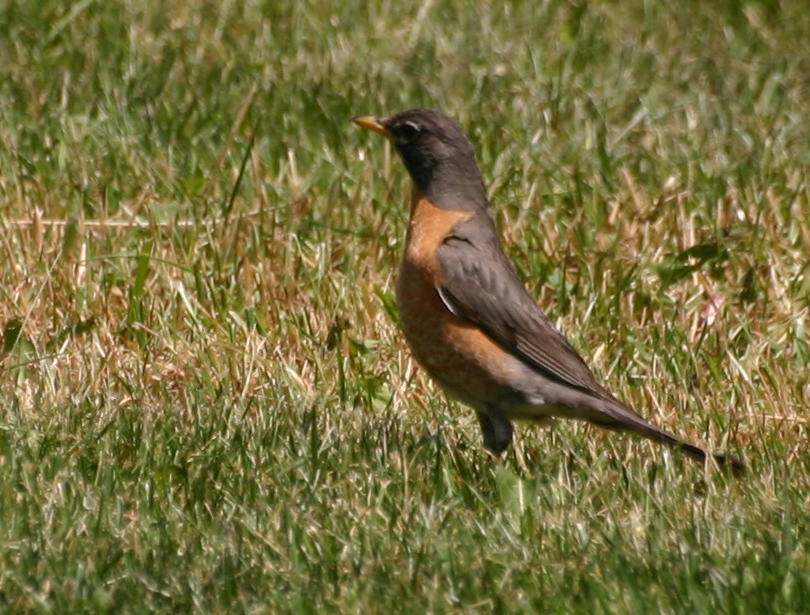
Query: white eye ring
[[410, 129]]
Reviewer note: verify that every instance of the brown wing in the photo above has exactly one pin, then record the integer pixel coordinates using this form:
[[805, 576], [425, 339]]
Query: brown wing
[[479, 284]]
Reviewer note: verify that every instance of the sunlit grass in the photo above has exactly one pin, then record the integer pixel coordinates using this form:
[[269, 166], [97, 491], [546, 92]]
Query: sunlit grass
[[206, 404]]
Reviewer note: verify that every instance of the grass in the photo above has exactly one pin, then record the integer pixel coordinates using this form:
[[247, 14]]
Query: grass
[[205, 404]]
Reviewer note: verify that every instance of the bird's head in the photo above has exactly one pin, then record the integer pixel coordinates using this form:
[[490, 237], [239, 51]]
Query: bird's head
[[437, 154]]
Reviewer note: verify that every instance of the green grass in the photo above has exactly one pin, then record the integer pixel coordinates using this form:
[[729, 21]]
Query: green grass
[[205, 404]]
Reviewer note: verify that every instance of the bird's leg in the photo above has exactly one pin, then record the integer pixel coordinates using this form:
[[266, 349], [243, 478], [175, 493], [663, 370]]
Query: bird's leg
[[496, 429]]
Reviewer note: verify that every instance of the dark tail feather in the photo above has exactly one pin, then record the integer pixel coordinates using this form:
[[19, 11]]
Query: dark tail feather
[[727, 462], [625, 419]]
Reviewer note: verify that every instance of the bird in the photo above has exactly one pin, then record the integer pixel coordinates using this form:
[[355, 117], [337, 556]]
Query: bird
[[467, 316]]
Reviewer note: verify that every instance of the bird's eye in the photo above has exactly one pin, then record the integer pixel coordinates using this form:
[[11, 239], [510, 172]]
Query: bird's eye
[[408, 130]]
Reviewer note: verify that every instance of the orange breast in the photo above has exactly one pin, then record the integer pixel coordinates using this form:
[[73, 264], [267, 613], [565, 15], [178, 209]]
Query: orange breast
[[461, 358]]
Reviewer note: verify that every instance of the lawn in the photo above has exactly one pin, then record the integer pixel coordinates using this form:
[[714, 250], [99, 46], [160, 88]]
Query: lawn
[[205, 402]]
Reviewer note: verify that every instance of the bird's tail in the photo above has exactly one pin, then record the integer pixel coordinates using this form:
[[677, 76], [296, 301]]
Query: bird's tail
[[616, 416]]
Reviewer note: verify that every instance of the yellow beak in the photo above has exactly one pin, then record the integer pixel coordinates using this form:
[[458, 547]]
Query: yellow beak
[[370, 122]]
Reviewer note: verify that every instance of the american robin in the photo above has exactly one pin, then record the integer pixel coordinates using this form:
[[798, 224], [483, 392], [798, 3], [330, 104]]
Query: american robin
[[466, 315]]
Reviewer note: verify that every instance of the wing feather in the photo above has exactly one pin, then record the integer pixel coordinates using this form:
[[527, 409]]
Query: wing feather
[[479, 284]]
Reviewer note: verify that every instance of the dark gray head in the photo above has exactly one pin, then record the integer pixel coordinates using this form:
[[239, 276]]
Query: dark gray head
[[437, 154]]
